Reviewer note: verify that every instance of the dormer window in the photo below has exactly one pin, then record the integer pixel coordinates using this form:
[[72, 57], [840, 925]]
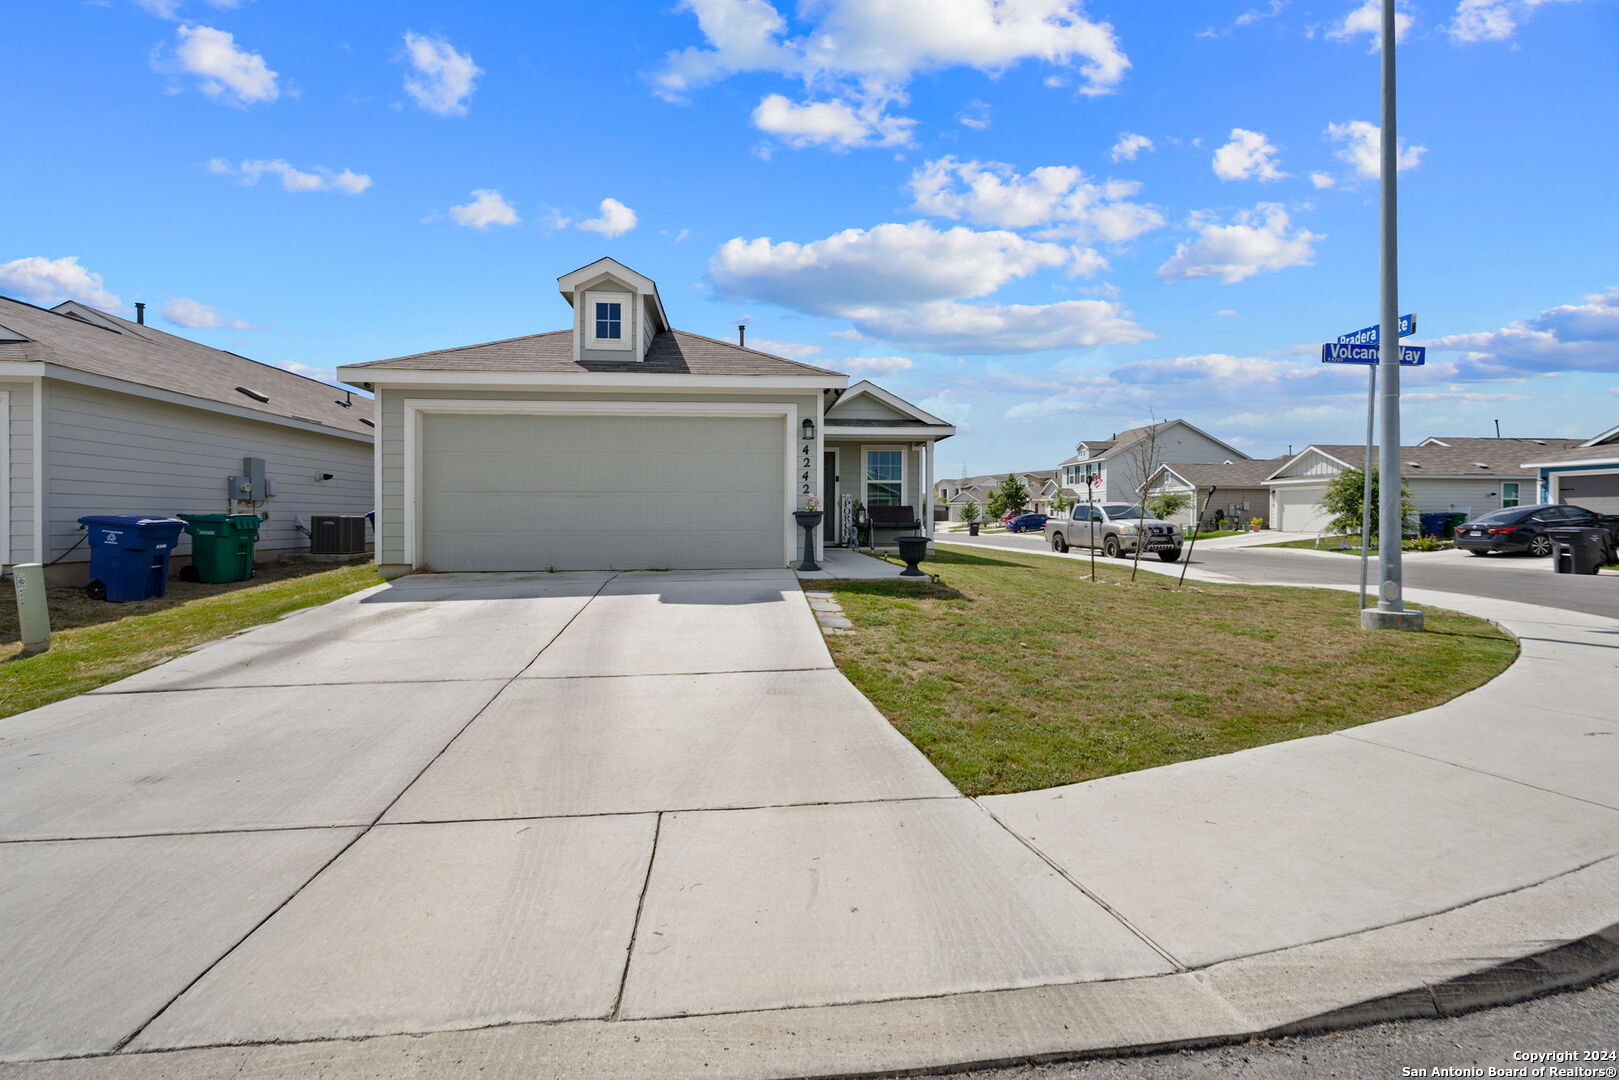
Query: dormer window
[[608, 321]]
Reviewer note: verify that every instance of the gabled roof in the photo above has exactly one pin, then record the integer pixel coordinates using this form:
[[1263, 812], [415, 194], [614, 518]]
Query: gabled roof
[[908, 414], [1101, 449], [673, 352], [1577, 455], [1247, 473], [1611, 435], [568, 284], [81, 338], [1452, 458]]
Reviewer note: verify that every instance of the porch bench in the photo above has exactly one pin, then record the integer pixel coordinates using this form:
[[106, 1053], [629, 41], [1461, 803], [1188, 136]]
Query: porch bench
[[895, 518]]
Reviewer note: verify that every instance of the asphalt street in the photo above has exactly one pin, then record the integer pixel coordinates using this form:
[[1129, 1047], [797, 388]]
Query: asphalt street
[[1579, 1022], [1520, 578]]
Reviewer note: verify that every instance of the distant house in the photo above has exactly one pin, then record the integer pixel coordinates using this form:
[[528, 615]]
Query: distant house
[[1463, 475], [1586, 475], [1227, 491], [953, 494], [101, 415], [1117, 468]]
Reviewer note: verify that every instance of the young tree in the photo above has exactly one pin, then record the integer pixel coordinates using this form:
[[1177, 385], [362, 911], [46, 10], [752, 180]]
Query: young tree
[[1009, 496], [969, 511], [1060, 502], [1342, 501], [1166, 503]]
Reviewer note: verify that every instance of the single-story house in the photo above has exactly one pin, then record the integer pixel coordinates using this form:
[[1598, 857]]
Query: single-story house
[[1586, 475], [1119, 467], [103, 415], [1227, 491], [1454, 474], [623, 443], [951, 495]]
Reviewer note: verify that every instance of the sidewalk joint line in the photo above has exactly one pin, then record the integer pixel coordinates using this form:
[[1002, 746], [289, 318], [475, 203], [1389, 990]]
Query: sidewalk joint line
[[635, 927], [1174, 961]]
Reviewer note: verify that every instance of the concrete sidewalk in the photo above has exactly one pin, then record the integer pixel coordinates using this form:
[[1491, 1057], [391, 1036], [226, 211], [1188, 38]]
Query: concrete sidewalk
[[638, 824]]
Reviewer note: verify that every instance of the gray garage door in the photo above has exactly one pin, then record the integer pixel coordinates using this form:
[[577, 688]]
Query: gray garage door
[[1599, 493], [601, 492]]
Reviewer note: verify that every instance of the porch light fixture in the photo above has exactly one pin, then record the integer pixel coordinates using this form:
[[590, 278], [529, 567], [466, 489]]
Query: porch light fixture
[[808, 429]]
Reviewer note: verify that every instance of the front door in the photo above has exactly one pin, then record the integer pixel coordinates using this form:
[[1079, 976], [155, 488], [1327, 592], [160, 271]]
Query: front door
[[829, 498]]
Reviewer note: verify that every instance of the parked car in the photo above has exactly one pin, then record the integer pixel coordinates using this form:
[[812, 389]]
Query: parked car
[[1006, 518], [1027, 523], [1115, 528], [1523, 528]]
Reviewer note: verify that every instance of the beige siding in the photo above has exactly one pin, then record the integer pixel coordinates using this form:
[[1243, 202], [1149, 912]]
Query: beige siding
[[112, 453], [1127, 470], [20, 482], [1312, 464], [390, 418]]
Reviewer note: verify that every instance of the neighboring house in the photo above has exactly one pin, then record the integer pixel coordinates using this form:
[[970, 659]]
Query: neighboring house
[[1230, 491], [1586, 474], [1122, 465], [623, 443], [952, 495], [101, 415], [1461, 474]]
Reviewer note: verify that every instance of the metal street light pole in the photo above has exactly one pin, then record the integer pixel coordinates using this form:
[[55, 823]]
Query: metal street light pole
[[1366, 480], [1390, 613]]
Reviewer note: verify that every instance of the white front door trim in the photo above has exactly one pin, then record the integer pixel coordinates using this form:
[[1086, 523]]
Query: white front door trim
[[415, 408]]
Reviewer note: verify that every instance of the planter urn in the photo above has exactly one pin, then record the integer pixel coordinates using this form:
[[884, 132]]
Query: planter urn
[[807, 520], [913, 549]]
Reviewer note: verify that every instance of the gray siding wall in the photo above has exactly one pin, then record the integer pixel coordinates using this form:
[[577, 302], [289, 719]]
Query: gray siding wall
[[1128, 469], [634, 322], [20, 482], [864, 407], [851, 472], [1456, 496], [112, 453], [390, 416], [1313, 464]]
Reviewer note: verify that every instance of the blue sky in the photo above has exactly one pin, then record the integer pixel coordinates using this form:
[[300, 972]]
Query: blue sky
[[1047, 220]]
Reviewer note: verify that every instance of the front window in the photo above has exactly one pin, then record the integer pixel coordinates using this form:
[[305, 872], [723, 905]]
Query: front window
[[885, 477], [1509, 494], [609, 321]]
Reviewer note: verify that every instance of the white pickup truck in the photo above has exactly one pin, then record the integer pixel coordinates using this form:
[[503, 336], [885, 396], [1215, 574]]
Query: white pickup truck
[[1116, 528]]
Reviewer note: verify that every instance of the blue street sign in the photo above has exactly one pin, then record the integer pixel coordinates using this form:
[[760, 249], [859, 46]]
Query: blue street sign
[[1371, 335], [1339, 353]]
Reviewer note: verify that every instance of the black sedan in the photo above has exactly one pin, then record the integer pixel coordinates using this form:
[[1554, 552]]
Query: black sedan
[[1523, 528]]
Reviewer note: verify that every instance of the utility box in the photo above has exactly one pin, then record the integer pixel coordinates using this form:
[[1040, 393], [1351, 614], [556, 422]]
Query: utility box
[[337, 534]]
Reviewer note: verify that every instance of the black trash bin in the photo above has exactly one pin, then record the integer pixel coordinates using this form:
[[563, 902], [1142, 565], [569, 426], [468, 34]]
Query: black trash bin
[[1582, 550]]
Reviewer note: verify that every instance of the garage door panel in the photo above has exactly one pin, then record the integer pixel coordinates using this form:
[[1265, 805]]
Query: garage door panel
[[1597, 493], [1296, 509], [515, 492]]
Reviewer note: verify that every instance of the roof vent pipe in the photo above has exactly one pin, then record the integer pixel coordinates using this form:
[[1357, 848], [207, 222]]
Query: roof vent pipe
[[742, 335], [140, 313]]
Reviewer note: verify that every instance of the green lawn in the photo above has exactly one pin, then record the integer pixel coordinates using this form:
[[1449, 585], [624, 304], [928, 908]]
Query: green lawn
[[1335, 544], [1215, 534], [1017, 672], [94, 642]]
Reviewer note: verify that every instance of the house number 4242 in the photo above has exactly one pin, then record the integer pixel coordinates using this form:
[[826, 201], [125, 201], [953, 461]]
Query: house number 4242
[[804, 463]]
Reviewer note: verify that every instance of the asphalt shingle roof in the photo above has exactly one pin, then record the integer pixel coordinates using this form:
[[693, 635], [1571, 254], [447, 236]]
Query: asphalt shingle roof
[[1573, 453], [673, 352], [148, 356], [1232, 474], [1460, 456]]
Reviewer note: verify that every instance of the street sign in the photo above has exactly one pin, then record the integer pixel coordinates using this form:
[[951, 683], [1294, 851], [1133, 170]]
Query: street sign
[[1371, 335], [1338, 353]]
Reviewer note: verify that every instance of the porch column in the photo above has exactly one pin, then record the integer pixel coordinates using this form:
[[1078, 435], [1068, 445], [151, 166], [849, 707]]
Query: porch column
[[927, 498]]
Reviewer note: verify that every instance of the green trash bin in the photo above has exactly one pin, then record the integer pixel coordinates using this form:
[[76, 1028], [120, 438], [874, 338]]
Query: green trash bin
[[221, 546]]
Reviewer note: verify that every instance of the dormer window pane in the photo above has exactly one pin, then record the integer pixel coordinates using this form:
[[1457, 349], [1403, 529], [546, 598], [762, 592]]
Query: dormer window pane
[[610, 321]]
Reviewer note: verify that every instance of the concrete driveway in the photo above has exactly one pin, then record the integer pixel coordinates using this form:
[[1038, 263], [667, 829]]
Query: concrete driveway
[[464, 800]]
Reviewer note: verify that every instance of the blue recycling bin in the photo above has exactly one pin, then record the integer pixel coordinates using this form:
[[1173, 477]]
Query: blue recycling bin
[[129, 556]]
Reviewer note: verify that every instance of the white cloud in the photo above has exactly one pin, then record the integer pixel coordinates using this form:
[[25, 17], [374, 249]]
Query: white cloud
[[486, 208], [170, 9], [945, 326], [1570, 337], [948, 405], [233, 75], [1248, 156], [1368, 19], [50, 281], [865, 54], [1322, 180], [1247, 18], [1227, 313], [1129, 146], [346, 181], [1256, 240], [197, 316], [877, 365], [1361, 140], [792, 350], [615, 219], [976, 115], [839, 124], [886, 265], [1490, 20], [444, 78], [1059, 197]]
